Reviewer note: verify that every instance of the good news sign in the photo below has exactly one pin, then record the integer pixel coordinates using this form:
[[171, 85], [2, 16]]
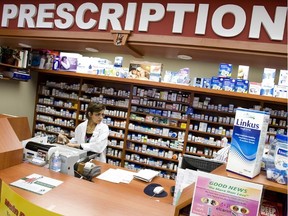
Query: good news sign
[[247, 20]]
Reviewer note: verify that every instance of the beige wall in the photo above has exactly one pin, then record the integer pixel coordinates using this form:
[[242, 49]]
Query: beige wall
[[18, 98]]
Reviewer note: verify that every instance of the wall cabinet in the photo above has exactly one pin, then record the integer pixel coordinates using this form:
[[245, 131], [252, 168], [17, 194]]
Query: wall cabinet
[[151, 124]]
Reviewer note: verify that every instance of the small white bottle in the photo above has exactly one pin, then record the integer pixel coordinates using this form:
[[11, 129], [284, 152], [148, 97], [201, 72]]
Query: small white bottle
[[55, 162]]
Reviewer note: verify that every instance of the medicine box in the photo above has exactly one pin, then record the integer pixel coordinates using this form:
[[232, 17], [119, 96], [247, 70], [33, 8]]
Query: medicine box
[[268, 77], [228, 84], [69, 61], [145, 70], [243, 71], [267, 90], [283, 78], [216, 83], [206, 83], [198, 82], [241, 86], [225, 70], [254, 88], [248, 142], [178, 77], [280, 91]]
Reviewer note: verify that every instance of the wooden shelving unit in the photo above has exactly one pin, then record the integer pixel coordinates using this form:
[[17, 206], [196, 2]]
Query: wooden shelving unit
[[145, 122]]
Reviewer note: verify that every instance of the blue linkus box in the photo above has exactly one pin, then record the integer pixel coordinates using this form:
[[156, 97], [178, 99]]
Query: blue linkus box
[[248, 142]]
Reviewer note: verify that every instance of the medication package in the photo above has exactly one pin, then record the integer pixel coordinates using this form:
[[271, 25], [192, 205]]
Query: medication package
[[276, 162]]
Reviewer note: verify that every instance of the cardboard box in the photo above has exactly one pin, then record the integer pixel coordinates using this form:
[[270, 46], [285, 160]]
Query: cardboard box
[[69, 61], [268, 77], [198, 82], [241, 86], [206, 83], [254, 88], [267, 90], [181, 77], [225, 70], [228, 84], [216, 83], [283, 78], [243, 71], [144, 70], [280, 91], [248, 142], [43, 59]]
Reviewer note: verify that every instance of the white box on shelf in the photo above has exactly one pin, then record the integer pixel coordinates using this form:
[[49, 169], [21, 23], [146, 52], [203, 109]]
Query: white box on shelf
[[243, 71], [248, 142], [254, 88]]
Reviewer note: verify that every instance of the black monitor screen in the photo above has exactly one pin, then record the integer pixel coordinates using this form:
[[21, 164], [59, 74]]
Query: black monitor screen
[[198, 163]]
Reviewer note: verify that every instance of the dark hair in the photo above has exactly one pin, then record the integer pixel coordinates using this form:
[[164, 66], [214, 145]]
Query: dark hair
[[94, 107]]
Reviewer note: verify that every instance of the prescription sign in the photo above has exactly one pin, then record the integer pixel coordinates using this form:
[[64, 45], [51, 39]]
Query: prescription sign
[[13, 204]]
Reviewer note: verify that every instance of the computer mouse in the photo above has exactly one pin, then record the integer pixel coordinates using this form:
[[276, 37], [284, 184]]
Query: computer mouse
[[158, 190]]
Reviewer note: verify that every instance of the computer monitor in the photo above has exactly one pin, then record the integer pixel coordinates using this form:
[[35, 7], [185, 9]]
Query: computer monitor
[[199, 163]]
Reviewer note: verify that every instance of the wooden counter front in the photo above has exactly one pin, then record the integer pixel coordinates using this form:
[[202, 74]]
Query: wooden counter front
[[80, 197]]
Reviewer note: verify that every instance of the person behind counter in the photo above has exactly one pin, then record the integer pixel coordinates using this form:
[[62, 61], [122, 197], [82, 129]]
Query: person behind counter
[[92, 134]]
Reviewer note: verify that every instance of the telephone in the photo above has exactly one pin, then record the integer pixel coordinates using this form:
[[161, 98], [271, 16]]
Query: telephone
[[86, 169]]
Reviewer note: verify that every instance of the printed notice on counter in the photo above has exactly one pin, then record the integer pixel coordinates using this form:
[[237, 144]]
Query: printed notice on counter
[[219, 195], [36, 183]]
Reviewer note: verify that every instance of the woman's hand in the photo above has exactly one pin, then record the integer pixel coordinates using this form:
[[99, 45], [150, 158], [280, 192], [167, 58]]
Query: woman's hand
[[74, 145], [62, 139]]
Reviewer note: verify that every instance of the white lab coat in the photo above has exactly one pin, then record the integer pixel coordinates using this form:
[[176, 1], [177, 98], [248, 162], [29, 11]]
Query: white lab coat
[[98, 141]]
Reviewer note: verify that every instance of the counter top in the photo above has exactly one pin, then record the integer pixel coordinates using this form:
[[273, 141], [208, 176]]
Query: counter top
[[80, 197]]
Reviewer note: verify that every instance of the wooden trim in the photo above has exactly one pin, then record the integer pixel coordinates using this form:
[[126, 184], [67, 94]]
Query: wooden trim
[[207, 43], [155, 40]]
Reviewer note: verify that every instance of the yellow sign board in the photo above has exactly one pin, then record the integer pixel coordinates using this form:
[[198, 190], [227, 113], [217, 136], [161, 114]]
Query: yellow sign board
[[12, 203]]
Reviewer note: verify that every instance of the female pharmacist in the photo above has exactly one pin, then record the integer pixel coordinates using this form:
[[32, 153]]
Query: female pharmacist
[[92, 134]]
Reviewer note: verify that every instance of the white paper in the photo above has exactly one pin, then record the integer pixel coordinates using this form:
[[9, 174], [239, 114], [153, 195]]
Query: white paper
[[146, 174], [109, 175], [117, 176], [185, 177]]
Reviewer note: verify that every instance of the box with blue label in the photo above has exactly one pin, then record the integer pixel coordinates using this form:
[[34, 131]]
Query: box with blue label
[[248, 142], [267, 90], [228, 84], [241, 86], [225, 70], [216, 83], [206, 83]]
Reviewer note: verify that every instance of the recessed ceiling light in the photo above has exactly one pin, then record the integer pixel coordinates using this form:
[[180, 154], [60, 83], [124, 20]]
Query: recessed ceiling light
[[91, 49], [24, 45], [184, 57]]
